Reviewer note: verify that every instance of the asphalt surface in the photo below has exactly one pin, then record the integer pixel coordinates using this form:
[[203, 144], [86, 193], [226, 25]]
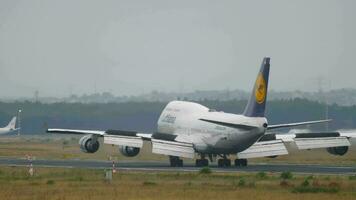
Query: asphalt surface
[[164, 166]]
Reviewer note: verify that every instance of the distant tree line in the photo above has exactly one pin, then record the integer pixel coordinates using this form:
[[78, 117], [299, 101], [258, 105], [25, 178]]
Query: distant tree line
[[345, 97], [142, 116]]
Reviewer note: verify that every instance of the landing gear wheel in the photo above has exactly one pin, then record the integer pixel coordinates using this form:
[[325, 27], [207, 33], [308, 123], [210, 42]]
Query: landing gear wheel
[[221, 163], [224, 163], [227, 162], [201, 162], [241, 162], [205, 162], [180, 163], [175, 161]]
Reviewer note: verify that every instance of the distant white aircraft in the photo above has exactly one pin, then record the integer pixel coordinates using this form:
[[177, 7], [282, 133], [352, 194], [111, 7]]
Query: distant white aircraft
[[187, 129], [10, 127]]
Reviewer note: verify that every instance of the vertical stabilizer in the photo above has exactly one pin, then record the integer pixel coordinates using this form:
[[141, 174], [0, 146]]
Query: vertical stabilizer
[[12, 123], [257, 102]]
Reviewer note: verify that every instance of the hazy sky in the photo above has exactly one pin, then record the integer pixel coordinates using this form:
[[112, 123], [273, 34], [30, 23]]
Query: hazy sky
[[129, 47]]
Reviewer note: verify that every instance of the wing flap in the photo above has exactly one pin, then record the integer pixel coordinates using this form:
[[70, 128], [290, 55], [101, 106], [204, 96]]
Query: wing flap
[[321, 142], [264, 149], [131, 141], [121, 132], [171, 148]]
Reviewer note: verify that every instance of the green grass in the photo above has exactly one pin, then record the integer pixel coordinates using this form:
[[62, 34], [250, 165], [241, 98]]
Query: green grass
[[50, 182], [241, 182], [261, 175], [149, 183], [286, 175], [205, 170], [56, 183], [305, 189]]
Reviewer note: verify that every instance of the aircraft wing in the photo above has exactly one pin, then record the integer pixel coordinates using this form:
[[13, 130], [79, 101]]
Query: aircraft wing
[[165, 144], [75, 131], [100, 133], [273, 144]]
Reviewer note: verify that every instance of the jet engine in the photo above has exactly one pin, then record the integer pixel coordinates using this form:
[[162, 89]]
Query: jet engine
[[129, 151], [89, 144], [338, 150]]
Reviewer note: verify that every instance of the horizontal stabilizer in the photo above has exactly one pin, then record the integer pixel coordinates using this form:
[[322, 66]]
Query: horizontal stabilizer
[[231, 125], [297, 124]]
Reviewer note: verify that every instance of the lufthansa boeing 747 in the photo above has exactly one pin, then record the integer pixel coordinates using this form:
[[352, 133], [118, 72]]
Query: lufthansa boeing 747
[[190, 130]]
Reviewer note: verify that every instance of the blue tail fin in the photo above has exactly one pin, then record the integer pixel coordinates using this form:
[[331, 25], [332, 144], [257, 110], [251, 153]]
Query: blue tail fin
[[257, 102]]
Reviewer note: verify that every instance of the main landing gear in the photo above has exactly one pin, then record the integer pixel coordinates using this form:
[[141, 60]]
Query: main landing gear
[[240, 162], [224, 162], [175, 161], [202, 162]]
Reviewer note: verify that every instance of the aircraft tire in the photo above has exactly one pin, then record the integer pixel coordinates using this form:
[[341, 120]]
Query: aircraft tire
[[175, 161], [240, 162], [224, 163], [201, 162]]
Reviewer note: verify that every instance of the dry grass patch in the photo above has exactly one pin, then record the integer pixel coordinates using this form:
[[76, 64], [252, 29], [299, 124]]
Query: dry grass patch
[[54, 183]]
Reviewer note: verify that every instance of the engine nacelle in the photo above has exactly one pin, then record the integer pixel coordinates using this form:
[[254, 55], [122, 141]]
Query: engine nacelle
[[338, 150], [129, 151], [89, 144]]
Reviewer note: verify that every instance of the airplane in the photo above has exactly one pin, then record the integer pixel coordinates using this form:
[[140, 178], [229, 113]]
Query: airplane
[[10, 127], [191, 130]]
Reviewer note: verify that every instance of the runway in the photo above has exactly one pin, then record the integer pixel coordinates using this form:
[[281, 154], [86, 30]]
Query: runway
[[189, 167]]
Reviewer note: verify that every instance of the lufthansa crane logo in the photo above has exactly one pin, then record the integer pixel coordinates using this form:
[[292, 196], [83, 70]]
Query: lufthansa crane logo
[[260, 90]]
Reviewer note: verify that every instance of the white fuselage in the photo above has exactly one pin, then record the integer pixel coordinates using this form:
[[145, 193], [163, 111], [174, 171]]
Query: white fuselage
[[6, 130], [183, 119]]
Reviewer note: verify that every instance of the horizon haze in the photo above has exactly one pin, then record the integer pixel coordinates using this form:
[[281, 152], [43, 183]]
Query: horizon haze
[[129, 48]]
